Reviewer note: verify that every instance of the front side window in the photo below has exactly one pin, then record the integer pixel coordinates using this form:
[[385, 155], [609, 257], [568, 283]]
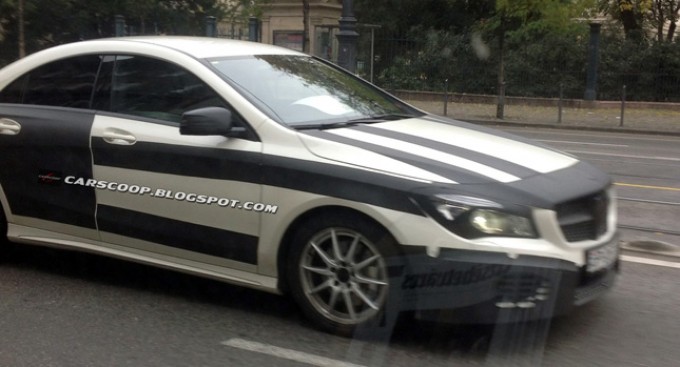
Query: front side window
[[151, 88], [62, 83]]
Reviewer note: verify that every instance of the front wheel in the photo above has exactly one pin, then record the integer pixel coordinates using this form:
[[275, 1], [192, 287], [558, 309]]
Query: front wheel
[[337, 272]]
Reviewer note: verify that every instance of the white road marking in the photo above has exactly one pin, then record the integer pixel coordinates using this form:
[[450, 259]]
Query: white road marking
[[590, 134], [674, 159], [642, 260], [288, 354], [583, 143]]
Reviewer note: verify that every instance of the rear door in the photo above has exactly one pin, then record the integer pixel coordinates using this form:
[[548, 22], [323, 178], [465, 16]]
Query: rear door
[[45, 125]]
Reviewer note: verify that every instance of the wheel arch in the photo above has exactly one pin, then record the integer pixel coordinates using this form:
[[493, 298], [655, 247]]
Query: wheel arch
[[286, 240], [4, 205], [4, 222]]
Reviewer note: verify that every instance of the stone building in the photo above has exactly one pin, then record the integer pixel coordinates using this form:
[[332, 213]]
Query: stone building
[[281, 23]]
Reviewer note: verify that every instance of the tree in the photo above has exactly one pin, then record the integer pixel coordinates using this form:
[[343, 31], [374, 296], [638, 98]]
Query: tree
[[639, 16], [665, 12], [462, 41], [240, 11], [30, 25], [22, 29], [521, 19], [305, 26], [7, 7], [631, 14], [400, 16], [407, 26]]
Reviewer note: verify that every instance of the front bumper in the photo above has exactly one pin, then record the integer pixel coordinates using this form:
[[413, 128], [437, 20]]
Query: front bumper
[[462, 286]]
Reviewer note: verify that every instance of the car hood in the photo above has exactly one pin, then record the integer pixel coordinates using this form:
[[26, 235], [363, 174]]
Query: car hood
[[438, 150]]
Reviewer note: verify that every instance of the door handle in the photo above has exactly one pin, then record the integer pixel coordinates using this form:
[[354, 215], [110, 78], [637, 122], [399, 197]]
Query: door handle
[[9, 127], [118, 137]]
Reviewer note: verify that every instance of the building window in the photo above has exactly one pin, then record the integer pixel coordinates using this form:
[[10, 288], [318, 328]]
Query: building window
[[289, 39]]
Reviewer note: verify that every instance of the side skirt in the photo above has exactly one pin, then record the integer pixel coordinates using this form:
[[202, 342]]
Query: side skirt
[[33, 236]]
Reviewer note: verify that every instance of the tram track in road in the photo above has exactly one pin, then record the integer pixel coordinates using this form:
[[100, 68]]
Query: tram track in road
[[651, 230], [648, 224], [640, 234], [649, 201], [672, 232]]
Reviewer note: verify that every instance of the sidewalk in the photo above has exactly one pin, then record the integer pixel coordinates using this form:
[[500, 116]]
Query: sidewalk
[[648, 120]]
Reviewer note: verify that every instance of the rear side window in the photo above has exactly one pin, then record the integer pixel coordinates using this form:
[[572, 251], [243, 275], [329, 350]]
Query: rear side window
[[63, 83]]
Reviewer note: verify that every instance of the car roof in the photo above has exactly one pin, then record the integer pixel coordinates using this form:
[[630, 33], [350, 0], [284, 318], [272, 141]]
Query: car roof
[[169, 47], [206, 47]]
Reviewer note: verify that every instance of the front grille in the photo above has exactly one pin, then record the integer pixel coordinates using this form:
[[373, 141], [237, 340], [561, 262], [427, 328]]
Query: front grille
[[585, 218]]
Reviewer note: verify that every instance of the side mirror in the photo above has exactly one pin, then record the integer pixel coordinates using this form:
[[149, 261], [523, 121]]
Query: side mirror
[[208, 121]]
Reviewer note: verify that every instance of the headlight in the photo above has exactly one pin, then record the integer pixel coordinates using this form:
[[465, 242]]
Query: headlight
[[452, 206], [501, 224], [472, 217]]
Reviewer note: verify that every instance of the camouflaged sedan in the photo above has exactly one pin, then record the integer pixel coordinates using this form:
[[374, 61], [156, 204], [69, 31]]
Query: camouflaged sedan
[[271, 169]]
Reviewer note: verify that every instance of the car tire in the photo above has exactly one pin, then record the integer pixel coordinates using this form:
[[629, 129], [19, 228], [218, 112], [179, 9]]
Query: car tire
[[337, 271]]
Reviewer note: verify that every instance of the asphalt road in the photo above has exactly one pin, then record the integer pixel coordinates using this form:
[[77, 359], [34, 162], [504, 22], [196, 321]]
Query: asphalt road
[[67, 309]]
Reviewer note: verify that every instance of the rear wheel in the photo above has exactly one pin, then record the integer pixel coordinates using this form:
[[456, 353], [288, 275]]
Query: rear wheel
[[337, 271]]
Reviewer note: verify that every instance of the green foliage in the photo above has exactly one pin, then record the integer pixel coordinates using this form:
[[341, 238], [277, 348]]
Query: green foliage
[[540, 57], [650, 71], [536, 66], [8, 17], [401, 16], [630, 13], [420, 33], [420, 43], [441, 56], [545, 47], [51, 22], [523, 21]]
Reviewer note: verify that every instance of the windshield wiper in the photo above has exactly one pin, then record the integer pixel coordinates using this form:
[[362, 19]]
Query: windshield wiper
[[358, 121], [333, 125], [381, 118]]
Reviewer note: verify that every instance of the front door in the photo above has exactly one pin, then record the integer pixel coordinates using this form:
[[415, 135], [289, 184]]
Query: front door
[[163, 193]]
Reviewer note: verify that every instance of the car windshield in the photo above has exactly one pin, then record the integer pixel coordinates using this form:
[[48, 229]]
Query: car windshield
[[303, 92]]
